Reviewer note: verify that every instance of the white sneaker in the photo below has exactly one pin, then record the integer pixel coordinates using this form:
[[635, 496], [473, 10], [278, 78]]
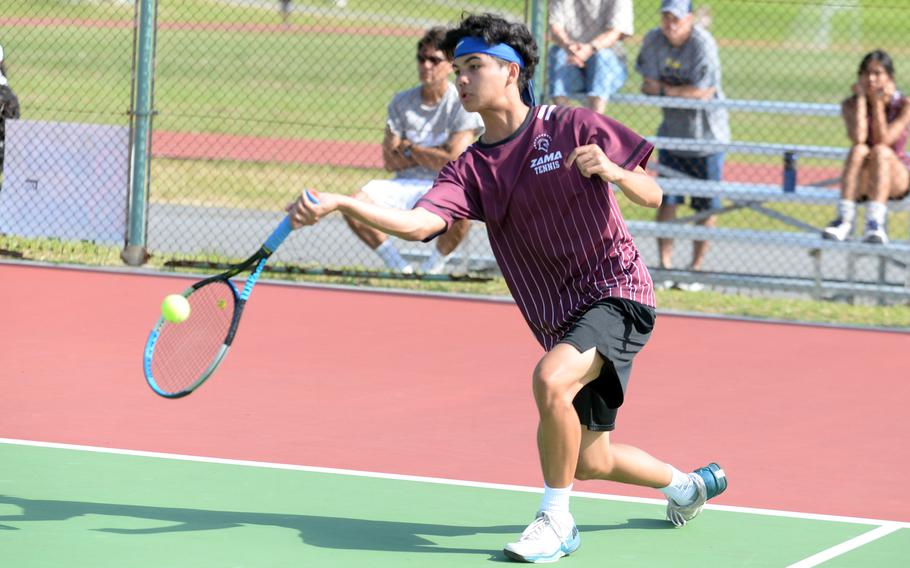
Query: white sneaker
[[545, 540], [838, 230], [678, 514], [875, 233], [710, 481]]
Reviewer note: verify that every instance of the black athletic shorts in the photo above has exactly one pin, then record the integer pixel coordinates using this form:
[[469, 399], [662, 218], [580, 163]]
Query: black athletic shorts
[[619, 329]]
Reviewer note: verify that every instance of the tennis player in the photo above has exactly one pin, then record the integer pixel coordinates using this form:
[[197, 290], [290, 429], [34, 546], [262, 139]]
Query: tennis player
[[538, 178]]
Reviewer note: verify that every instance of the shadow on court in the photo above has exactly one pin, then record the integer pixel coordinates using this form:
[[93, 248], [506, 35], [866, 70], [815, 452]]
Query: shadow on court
[[325, 532]]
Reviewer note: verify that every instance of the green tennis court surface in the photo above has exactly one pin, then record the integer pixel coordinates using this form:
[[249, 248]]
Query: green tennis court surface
[[74, 508]]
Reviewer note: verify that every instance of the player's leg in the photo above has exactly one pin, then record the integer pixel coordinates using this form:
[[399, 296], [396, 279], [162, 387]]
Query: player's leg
[[599, 458], [686, 493], [618, 330], [560, 388], [853, 177], [558, 377]]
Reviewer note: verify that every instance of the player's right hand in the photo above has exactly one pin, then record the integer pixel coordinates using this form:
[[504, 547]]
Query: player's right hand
[[304, 212]]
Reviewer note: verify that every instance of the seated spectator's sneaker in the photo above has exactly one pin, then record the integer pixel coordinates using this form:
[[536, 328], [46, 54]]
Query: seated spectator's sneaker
[[710, 481], [545, 540], [691, 286], [838, 230], [434, 266], [875, 234]]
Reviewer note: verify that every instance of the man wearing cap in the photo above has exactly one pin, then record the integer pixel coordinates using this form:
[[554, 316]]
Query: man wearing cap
[[586, 56], [9, 106], [680, 59]]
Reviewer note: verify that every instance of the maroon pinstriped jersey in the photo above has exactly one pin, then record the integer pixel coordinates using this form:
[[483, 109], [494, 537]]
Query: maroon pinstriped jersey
[[558, 237]]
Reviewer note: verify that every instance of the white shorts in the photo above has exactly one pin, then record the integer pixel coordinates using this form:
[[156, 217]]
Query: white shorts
[[397, 193]]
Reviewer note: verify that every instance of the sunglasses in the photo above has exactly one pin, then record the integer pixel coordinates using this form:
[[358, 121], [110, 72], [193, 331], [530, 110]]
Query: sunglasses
[[434, 61]]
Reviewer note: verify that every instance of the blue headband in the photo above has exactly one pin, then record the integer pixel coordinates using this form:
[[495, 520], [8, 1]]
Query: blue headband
[[473, 44]]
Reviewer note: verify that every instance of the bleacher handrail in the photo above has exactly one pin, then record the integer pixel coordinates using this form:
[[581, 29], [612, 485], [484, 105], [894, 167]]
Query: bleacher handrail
[[763, 148], [771, 107]]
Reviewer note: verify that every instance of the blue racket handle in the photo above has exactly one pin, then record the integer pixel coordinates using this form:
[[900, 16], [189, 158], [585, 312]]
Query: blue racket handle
[[284, 229]]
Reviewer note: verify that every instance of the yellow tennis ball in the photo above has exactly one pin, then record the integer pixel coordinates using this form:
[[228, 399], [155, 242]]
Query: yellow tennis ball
[[175, 308]]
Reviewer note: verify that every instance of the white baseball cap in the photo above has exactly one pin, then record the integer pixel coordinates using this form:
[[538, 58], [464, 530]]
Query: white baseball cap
[[1, 53]]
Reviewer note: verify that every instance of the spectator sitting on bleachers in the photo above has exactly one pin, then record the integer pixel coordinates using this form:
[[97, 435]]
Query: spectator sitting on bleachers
[[587, 56], [876, 169], [426, 128], [9, 106], [680, 59]]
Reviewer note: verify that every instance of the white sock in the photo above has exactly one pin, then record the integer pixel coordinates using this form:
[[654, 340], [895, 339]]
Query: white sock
[[682, 489], [846, 210], [877, 212], [389, 254], [555, 500]]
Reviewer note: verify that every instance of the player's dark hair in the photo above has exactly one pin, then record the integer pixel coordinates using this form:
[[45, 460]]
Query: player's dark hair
[[432, 39], [494, 29], [880, 57]]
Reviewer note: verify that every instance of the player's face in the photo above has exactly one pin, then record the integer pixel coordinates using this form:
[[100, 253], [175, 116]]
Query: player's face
[[481, 81], [676, 30], [432, 66]]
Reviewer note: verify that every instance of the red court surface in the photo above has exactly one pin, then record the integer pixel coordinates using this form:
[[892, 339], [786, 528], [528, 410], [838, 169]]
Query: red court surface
[[807, 419]]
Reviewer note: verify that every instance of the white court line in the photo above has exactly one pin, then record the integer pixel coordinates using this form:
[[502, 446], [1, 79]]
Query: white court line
[[847, 546], [444, 481]]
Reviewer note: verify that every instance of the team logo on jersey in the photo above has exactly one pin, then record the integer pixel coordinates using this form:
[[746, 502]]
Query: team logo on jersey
[[547, 162], [542, 142]]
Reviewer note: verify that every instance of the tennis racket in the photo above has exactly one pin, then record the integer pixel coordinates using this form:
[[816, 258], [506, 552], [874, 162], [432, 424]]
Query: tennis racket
[[180, 357]]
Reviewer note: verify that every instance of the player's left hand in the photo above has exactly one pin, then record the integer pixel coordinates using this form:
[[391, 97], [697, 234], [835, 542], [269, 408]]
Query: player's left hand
[[591, 160]]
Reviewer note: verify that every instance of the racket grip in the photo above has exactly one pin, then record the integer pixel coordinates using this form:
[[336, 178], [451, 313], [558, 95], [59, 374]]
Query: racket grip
[[284, 229], [277, 237]]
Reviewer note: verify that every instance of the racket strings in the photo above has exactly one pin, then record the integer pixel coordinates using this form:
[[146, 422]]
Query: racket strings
[[185, 351]]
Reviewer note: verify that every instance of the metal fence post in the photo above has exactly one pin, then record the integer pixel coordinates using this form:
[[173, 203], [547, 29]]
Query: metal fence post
[[135, 252], [539, 31]]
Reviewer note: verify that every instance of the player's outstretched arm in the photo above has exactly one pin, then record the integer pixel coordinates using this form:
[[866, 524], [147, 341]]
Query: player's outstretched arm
[[413, 225], [637, 185]]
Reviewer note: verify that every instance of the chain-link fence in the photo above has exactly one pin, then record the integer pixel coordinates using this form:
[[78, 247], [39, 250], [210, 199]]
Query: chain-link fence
[[254, 100]]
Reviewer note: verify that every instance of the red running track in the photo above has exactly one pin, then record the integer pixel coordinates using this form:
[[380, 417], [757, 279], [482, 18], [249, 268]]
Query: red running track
[[803, 418]]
